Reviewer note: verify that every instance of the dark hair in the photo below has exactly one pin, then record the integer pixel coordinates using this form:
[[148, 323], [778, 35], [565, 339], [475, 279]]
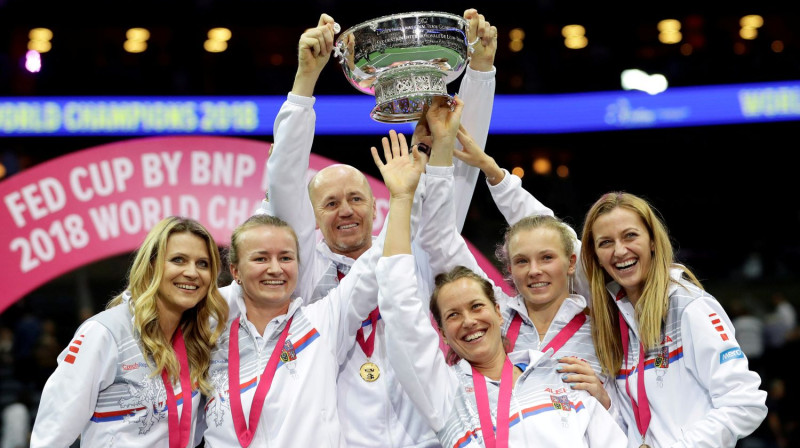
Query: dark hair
[[451, 276]]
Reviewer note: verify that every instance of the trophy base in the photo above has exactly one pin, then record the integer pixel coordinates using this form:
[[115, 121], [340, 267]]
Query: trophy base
[[402, 92]]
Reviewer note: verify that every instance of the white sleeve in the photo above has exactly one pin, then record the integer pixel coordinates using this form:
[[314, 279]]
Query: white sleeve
[[515, 203], [412, 344], [70, 394], [350, 302], [721, 368], [287, 187], [603, 430], [614, 394], [440, 240], [477, 91]]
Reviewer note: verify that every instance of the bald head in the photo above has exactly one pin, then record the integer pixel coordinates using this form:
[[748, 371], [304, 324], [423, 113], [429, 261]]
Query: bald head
[[344, 208], [337, 173]]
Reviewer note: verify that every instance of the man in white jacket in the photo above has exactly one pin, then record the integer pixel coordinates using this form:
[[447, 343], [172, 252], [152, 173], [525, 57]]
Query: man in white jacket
[[373, 409]]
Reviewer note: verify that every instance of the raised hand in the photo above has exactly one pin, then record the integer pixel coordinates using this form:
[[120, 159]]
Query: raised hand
[[482, 58], [402, 170], [313, 52], [443, 120]]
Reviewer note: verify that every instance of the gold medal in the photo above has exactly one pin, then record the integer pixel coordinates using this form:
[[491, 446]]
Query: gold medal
[[370, 371], [644, 445]]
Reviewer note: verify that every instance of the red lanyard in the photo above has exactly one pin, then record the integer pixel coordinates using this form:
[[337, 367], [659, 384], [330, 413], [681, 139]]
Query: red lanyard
[[641, 412], [244, 434], [368, 345], [557, 342], [490, 438], [179, 430]]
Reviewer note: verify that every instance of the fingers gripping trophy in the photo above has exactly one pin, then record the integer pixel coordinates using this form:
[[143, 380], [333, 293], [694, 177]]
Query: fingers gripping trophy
[[404, 60]]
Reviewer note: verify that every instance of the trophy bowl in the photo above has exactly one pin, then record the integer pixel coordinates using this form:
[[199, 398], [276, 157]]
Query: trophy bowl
[[404, 60]]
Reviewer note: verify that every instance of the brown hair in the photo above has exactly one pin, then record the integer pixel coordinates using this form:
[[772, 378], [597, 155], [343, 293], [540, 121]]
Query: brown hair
[[451, 276]]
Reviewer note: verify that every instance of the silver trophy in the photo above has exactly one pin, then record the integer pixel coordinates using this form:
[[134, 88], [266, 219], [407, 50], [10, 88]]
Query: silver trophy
[[404, 60]]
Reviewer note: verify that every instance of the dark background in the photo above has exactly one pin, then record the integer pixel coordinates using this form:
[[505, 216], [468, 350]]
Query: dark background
[[728, 194]]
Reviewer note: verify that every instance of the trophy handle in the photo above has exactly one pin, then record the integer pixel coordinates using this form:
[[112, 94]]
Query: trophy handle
[[338, 49]]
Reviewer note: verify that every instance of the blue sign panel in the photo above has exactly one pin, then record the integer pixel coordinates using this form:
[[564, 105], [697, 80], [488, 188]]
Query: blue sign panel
[[349, 114]]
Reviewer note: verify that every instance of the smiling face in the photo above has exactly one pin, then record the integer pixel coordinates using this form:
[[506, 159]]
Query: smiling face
[[344, 209], [267, 266], [624, 249], [471, 323], [540, 267], [187, 274]]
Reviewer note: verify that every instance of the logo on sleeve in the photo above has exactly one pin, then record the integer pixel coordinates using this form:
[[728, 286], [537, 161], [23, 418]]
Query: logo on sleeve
[[717, 323], [74, 348], [729, 354]]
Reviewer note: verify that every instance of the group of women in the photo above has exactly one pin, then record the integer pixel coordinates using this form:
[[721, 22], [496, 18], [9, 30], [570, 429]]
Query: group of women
[[608, 342]]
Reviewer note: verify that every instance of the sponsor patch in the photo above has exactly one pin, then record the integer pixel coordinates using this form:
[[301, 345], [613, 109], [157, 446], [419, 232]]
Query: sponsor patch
[[729, 354]]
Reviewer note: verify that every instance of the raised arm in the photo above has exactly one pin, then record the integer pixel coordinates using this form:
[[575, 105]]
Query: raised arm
[[477, 90], [513, 201], [441, 239], [412, 344], [294, 134]]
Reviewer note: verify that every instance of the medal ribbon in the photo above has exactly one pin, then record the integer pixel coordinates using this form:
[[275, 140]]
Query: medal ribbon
[[179, 430], [490, 438], [641, 411], [557, 342], [244, 434], [368, 345]]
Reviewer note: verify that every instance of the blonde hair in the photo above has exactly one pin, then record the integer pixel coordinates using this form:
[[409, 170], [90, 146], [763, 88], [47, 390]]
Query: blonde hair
[[251, 223], [144, 279], [652, 306], [565, 234]]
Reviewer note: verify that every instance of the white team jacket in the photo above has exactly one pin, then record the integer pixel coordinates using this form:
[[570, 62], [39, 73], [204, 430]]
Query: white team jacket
[[722, 402], [703, 395], [378, 413], [448, 249], [545, 411], [102, 390], [300, 409]]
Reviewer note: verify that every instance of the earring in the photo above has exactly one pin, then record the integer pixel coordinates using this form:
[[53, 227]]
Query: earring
[[239, 281], [571, 284]]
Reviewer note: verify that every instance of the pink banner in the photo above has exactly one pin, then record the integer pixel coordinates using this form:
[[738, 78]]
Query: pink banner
[[101, 202]]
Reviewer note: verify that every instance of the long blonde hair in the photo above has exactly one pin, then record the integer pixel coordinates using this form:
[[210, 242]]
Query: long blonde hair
[[652, 306], [144, 278]]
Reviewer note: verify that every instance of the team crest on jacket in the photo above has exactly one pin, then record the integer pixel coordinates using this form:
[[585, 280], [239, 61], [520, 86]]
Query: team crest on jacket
[[561, 402], [662, 359], [289, 357], [150, 402], [288, 353], [219, 402]]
